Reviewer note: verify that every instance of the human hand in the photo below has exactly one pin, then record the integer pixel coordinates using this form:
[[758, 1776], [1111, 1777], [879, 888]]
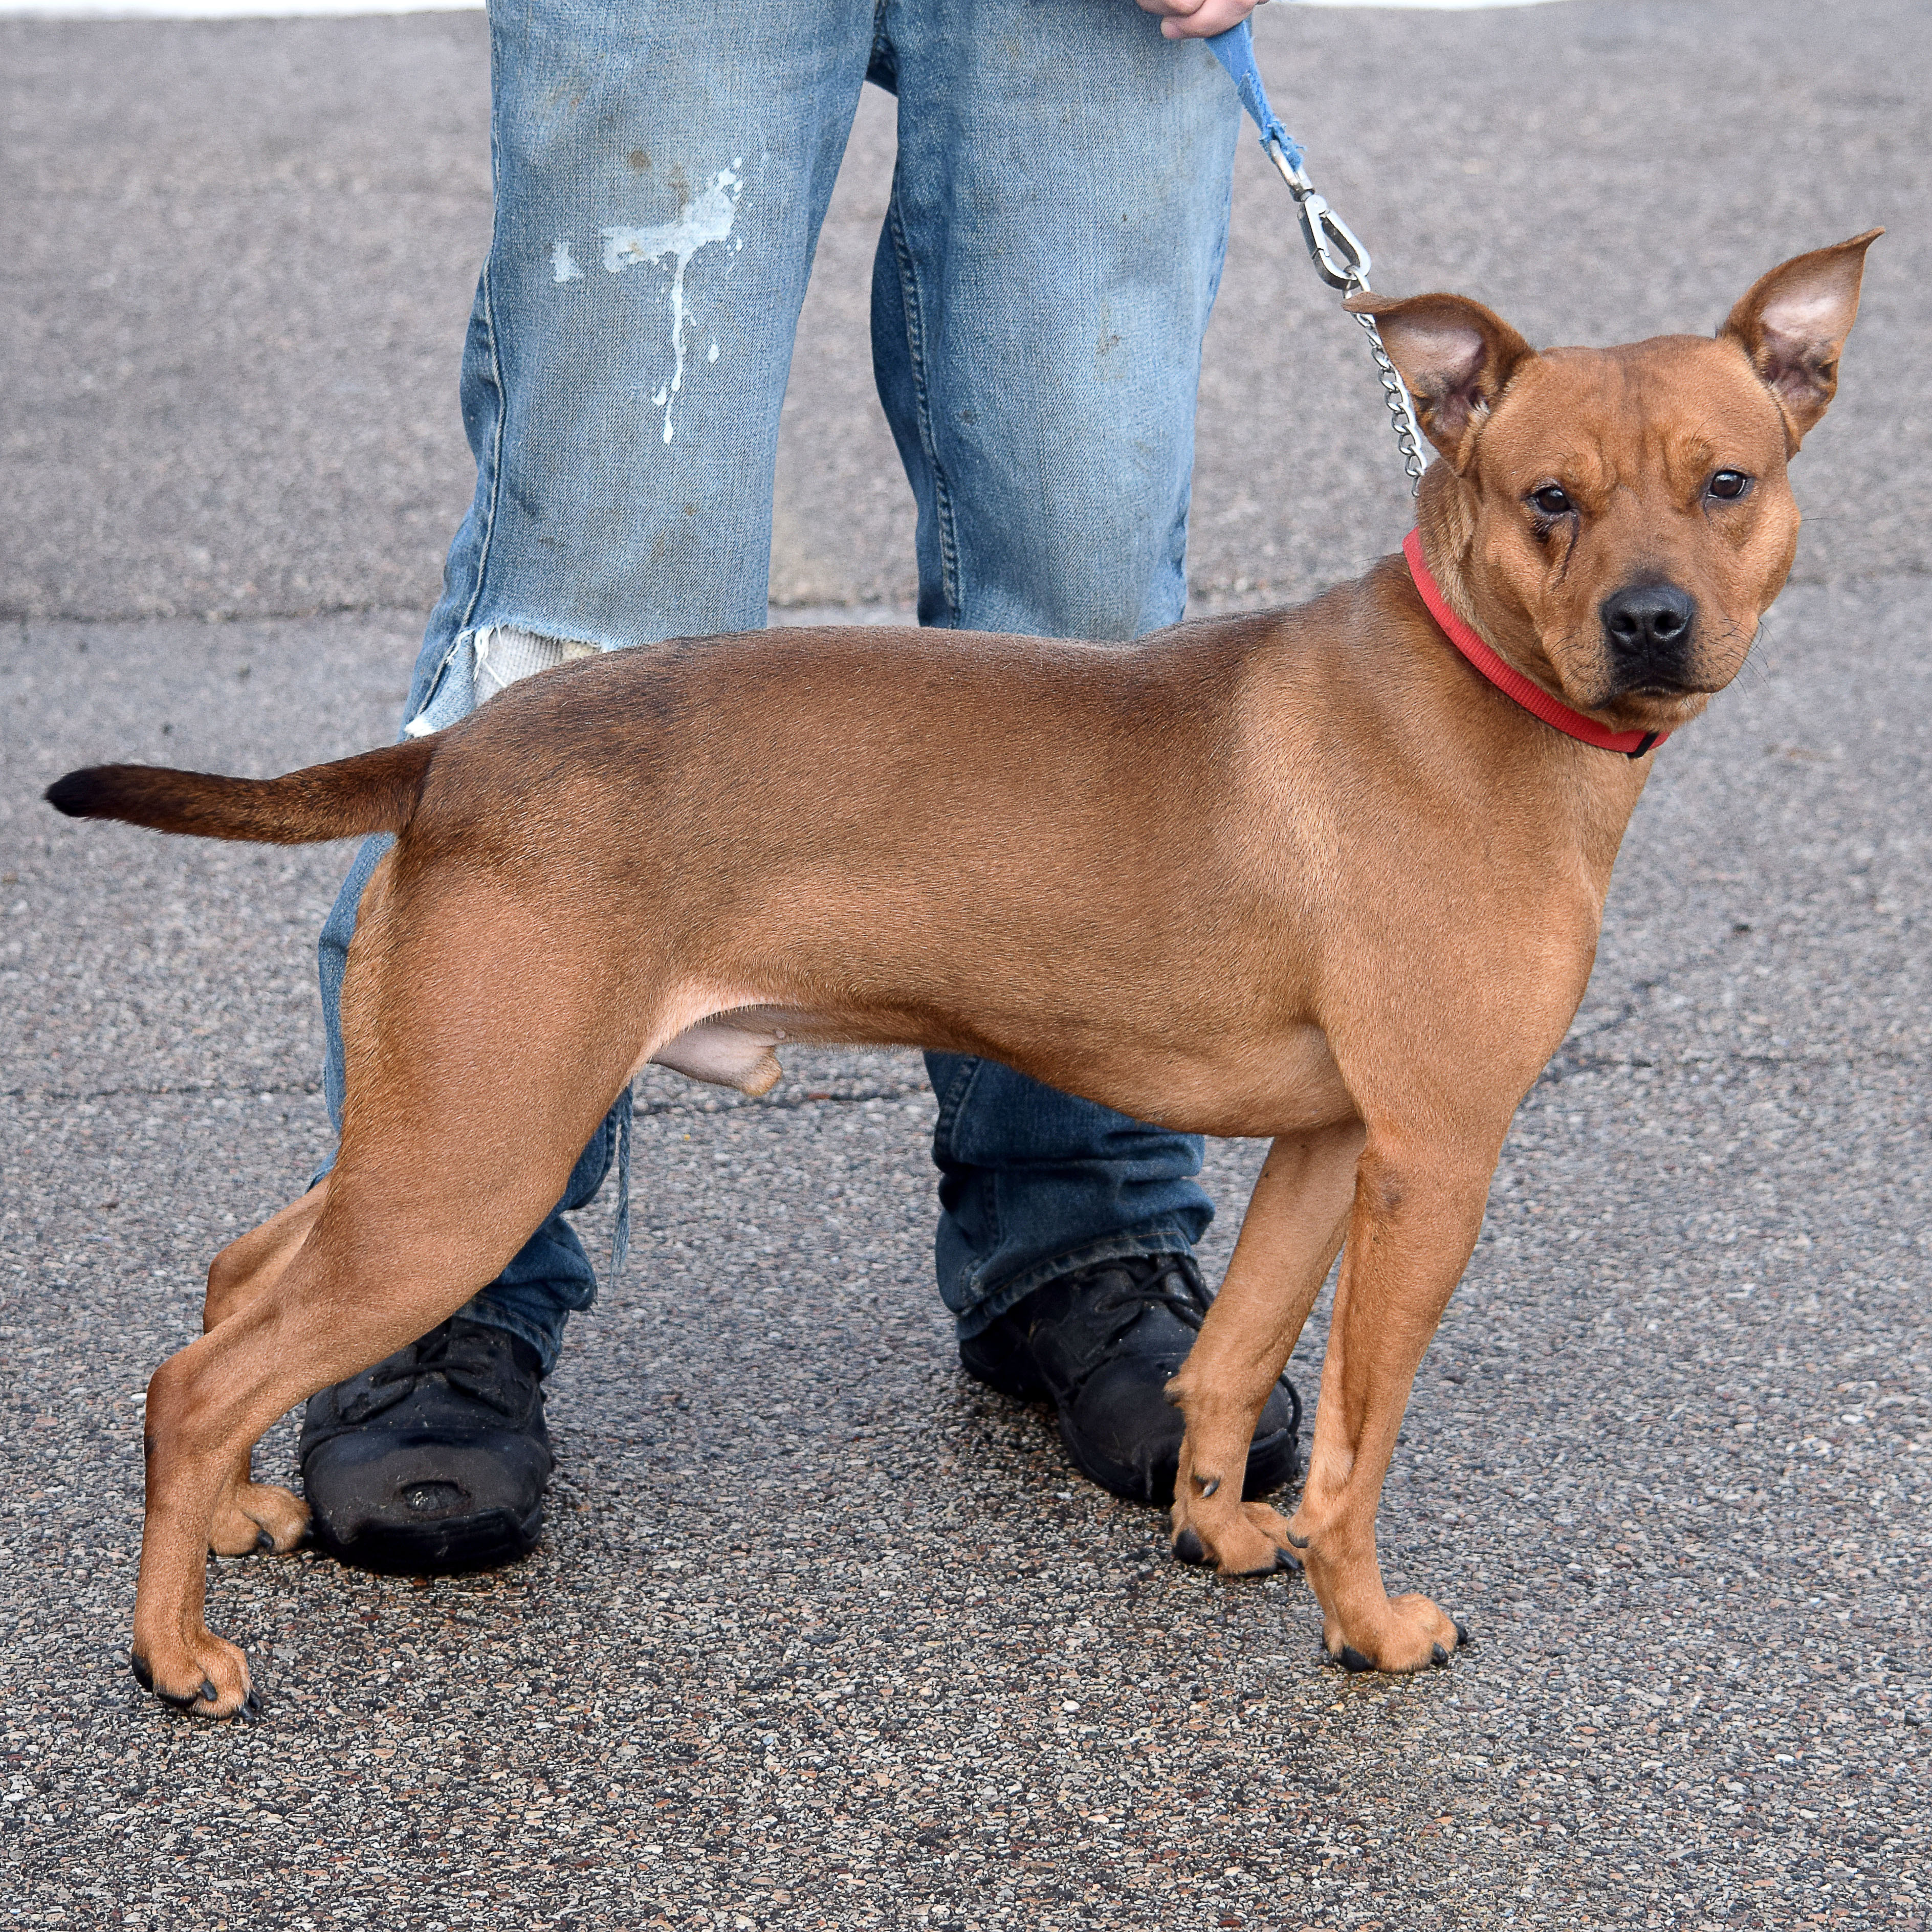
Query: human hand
[[1196, 19]]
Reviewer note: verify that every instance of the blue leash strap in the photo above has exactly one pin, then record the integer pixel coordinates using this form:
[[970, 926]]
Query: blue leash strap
[[1235, 51], [1340, 260]]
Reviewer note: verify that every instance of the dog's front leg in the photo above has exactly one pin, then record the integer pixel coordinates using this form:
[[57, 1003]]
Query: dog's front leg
[[1418, 1210], [1294, 1224], [252, 1517]]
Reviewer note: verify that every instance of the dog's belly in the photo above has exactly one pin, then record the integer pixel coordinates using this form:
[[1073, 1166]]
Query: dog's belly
[[1277, 1083], [1285, 1082]]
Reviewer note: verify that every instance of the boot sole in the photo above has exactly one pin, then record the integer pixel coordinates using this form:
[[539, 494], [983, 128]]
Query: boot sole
[[484, 1541]]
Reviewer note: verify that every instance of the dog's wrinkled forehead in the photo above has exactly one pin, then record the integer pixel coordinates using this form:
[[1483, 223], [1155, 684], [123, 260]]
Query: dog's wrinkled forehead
[[1647, 416]]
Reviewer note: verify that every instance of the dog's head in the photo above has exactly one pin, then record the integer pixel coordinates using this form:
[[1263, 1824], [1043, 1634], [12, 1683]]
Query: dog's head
[[1618, 520]]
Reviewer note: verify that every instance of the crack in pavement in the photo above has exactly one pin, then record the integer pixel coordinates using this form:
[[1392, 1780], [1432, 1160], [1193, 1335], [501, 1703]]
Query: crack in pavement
[[640, 1110]]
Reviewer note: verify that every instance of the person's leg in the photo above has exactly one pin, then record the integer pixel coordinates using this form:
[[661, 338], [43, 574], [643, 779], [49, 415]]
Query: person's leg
[[658, 194], [1050, 257]]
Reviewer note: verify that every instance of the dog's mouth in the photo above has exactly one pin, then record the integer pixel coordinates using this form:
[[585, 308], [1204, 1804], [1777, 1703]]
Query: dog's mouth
[[1660, 694], [1649, 702], [1653, 707], [1657, 692]]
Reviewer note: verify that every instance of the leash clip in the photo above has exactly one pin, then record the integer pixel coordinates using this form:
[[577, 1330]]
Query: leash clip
[[1339, 258]]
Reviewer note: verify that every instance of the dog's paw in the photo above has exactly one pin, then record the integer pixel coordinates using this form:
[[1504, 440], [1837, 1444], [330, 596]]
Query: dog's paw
[[1411, 1634], [202, 1675], [1239, 1539], [254, 1517]]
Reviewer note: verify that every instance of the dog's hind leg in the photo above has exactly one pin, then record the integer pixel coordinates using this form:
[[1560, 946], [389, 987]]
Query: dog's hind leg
[[463, 1120], [1289, 1238], [398, 1246], [252, 1516]]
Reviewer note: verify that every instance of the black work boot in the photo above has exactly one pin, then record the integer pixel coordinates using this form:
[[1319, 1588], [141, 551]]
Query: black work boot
[[1103, 1342], [435, 1460]]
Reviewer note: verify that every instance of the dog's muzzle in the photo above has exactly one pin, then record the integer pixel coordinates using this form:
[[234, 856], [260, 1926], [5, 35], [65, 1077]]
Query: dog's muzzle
[[1650, 633]]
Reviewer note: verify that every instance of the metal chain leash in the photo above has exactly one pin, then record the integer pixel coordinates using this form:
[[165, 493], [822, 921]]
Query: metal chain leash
[[1342, 262], [1340, 258]]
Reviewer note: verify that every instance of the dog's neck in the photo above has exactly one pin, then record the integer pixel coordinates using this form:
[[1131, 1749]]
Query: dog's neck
[[1532, 698], [1447, 521]]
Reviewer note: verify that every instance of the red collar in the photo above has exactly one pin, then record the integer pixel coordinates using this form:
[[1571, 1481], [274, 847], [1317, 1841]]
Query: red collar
[[1510, 682]]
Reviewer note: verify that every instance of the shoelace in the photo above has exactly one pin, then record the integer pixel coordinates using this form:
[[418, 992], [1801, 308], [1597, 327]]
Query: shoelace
[[467, 1361], [1169, 1286], [1189, 1306], [428, 1356]]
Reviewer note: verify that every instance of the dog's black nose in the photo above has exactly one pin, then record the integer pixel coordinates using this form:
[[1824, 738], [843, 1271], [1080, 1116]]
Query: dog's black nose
[[1649, 629]]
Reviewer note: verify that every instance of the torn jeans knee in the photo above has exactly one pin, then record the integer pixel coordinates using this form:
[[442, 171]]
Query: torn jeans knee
[[483, 661]]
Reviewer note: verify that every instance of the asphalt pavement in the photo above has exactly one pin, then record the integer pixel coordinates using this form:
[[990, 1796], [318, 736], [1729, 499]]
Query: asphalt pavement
[[822, 1633]]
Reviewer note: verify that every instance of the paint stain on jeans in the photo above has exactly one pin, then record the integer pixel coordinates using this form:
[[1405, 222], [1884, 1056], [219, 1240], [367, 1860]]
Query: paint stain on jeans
[[705, 219]]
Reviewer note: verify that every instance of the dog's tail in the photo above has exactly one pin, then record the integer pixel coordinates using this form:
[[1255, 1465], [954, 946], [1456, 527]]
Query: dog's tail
[[377, 791]]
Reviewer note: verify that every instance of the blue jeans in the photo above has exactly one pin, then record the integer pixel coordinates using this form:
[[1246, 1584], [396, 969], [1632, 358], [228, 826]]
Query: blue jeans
[[1042, 283]]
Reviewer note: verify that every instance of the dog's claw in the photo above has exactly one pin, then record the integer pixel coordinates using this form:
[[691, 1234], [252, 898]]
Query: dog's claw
[[1462, 1635], [1352, 1661], [1299, 1542], [1438, 1656], [1188, 1546], [143, 1676], [249, 1708]]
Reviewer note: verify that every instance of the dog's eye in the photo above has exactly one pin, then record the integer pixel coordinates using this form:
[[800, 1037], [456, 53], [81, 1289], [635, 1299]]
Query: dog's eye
[[1728, 485], [1552, 500]]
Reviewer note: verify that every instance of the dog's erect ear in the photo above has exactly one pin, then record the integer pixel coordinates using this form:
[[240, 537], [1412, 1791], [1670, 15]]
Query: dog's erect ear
[[1794, 322], [1455, 355]]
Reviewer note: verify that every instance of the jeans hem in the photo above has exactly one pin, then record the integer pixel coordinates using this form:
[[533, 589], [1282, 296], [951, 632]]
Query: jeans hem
[[983, 1313], [549, 1347]]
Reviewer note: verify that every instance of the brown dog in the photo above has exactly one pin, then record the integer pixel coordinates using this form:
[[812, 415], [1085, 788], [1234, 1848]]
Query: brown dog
[[1371, 934]]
